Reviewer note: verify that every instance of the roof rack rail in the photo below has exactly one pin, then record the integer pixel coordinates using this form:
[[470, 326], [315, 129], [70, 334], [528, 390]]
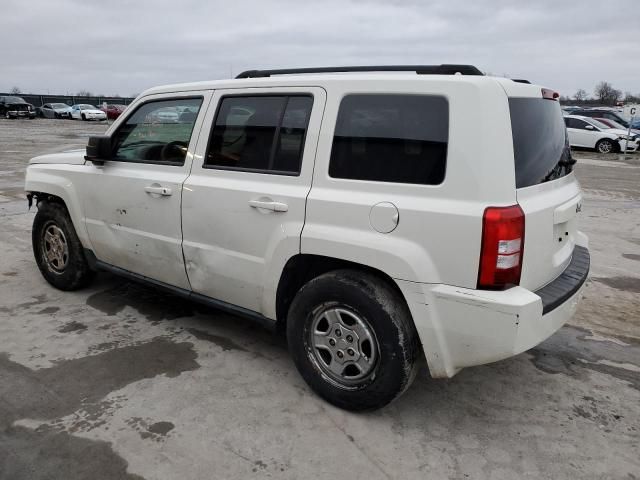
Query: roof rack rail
[[445, 69], [520, 80]]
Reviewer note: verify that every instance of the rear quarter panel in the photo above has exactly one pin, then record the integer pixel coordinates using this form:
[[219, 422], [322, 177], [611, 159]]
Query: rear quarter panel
[[437, 239]]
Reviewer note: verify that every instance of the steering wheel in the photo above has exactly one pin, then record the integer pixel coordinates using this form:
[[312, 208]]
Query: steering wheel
[[173, 151]]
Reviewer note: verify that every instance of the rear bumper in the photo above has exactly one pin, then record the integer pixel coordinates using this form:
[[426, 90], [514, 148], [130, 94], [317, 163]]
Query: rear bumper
[[462, 327]]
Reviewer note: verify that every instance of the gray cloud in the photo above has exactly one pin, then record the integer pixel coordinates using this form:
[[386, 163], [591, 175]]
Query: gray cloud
[[123, 46]]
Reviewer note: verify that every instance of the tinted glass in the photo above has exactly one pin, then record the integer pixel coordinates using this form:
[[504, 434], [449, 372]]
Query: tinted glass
[[292, 134], [575, 123], [157, 132], [260, 133], [540, 144], [391, 138]]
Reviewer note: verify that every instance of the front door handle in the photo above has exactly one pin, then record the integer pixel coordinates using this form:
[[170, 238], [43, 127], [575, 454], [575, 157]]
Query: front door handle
[[166, 191], [269, 205]]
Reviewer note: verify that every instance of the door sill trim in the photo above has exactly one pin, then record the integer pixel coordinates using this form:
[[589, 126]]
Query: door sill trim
[[96, 264]]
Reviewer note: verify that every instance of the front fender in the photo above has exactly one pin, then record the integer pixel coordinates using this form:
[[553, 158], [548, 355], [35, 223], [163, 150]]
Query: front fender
[[58, 181]]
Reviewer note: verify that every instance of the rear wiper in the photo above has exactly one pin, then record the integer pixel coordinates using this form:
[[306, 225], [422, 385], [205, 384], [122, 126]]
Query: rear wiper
[[556, 171]]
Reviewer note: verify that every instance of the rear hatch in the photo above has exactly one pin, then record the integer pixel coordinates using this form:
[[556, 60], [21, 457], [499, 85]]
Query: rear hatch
[[547, 190]]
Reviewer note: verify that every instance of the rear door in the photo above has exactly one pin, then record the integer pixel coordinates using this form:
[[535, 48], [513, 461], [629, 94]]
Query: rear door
[[547, 190], [243, 206]]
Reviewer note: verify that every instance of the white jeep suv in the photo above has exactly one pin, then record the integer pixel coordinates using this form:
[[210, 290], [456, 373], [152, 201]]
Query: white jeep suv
[[374, 216]]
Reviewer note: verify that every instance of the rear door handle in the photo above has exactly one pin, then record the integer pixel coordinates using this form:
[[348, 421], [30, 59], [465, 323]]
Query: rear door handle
[[166, 191], [269, 205]]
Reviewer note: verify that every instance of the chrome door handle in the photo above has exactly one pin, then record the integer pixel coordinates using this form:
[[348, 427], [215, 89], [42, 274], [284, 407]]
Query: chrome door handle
[[166, 191], [269, 205]]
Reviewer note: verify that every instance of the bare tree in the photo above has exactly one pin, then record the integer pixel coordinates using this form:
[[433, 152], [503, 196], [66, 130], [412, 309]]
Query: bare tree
[[606, 93], [15, 91], [631, 98], [581, 95], [84, 93]]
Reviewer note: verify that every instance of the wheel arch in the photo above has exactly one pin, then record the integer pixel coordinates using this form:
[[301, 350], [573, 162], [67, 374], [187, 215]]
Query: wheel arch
[[43, 185], [303, 267], [614, 141]]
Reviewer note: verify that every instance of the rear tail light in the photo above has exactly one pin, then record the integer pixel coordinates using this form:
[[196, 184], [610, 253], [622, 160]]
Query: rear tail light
[[550, 94], [502, 247]]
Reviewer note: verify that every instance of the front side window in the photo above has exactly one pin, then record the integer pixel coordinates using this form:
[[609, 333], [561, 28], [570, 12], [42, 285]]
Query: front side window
[[260, 133], [157, 132], [391, 138]]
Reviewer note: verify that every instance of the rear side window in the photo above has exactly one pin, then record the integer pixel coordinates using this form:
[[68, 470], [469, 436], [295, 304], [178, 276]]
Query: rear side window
[[391, 138], [260, 134], [575, 123], [540, 144]]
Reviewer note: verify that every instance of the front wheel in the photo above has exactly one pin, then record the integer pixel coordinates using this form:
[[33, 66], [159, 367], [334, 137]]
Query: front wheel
[[605, 146], [352, 339], [57, 249], [84, 117]]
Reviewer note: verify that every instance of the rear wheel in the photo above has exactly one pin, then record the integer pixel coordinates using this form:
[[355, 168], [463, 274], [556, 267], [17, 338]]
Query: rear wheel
[[605, 146], [352, 339], [57, 249]]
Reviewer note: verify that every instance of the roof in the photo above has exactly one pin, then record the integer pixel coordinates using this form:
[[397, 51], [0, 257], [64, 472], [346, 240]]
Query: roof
[[326, 76]]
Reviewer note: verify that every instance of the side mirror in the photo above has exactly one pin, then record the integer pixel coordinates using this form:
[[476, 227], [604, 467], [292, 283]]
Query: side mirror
[[98, 149], [589, 127]]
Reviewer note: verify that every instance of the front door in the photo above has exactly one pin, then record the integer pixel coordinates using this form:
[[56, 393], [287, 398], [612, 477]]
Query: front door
[[132, 202], [244, 203]]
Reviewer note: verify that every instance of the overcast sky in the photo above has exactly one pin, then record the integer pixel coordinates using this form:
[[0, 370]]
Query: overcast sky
[[123, 47]]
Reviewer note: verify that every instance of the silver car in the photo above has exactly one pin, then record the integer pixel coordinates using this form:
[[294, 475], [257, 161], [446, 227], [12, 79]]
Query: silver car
[[55, 110]]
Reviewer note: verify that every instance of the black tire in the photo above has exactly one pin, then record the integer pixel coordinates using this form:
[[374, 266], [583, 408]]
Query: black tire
[[371, 299], [84, 117], [606, 146], [73, 273]]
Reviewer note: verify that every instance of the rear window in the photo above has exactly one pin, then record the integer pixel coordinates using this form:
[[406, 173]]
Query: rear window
[[391, 138], [540, 144]]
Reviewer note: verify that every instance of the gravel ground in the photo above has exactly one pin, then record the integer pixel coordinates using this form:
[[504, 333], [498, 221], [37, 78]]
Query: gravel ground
[[119, 381]]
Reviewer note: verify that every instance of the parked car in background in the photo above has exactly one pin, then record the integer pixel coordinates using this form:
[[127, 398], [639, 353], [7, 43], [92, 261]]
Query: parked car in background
[[300, 202], [165, 115], [85, 111], [113, 111], [16, 107], [610, 123], [54, 110], [588, 132], [569, 110], [608, 114]]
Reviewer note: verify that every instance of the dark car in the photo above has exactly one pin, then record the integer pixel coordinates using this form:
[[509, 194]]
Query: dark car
[[54, 110], [16, 107], [113, 111], [608, 115]]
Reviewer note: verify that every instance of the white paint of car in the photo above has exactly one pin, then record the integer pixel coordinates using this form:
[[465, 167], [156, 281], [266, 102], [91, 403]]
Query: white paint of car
[[588, 132], [88, 111], [236, 254]]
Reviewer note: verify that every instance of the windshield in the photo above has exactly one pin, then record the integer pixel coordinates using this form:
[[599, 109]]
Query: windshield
[[14, 100], [540, 144], [611, 123], [86, 106], [599, 124], [58, 105]]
